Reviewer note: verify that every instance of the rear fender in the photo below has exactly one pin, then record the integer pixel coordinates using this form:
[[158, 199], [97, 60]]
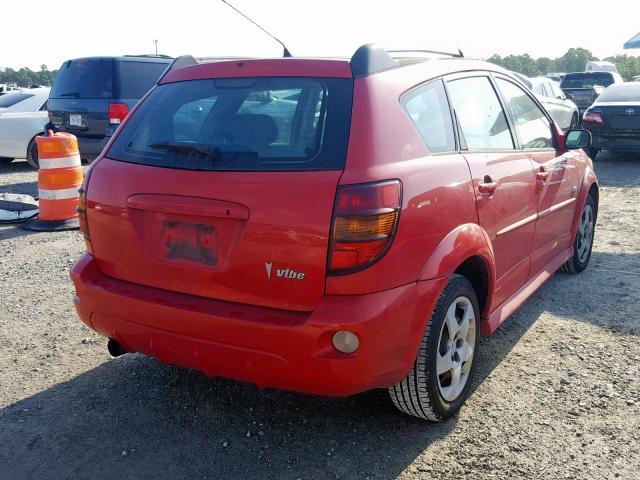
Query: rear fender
[[588, 181], [468, 240]]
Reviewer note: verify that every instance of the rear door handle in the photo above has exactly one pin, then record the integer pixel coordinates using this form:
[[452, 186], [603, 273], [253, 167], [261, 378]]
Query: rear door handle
[[487, 186]]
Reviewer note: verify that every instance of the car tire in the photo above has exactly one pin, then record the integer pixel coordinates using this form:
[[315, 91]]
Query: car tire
[[32, 154], [593, 153], [424, 393], [5, 160], [583, 242]]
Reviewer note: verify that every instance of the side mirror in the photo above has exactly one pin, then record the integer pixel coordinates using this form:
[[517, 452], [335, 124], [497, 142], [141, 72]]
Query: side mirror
[[560, 97], [569, 96], [576, 139]]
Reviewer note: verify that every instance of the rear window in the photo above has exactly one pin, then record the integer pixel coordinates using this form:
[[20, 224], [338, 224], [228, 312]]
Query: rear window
[[241, 124], [586, 80], [136, 78], [620, 93], [12, 99], [84, 78]]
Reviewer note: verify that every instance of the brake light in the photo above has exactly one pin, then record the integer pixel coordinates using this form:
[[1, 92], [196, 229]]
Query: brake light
[[365, 219], [82, 212], [117, 113], [593, 117]]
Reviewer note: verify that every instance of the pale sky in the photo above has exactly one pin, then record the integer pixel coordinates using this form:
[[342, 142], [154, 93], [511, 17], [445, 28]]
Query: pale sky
[[58, 31]]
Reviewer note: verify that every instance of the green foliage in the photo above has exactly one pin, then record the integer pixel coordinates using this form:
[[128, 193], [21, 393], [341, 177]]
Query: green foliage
[[574, 60], [25, 76]]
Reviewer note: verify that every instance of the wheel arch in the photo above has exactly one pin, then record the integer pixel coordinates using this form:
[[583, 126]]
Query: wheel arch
[[467, 251], [589, 187]]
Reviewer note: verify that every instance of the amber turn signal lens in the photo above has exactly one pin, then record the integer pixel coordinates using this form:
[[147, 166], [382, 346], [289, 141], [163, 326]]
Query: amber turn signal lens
[[364, 229]]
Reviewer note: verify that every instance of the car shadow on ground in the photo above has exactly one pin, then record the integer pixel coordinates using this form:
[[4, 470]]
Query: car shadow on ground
[[132, 417]]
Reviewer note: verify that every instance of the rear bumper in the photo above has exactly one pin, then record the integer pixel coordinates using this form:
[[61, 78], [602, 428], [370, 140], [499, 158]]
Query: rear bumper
[[266, 347], [90, 148], [616, 144]]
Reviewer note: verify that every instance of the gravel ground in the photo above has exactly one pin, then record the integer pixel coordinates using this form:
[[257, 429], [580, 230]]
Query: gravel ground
[[557, 395]]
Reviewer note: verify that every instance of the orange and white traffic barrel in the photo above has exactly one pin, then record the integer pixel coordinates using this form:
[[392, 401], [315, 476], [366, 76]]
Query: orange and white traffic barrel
[[59, 178]]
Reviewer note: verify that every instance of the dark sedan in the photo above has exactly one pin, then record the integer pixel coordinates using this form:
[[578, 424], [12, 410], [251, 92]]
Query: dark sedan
[[614, 119]]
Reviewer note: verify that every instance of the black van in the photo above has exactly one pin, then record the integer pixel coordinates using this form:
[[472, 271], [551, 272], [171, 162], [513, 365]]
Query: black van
[[91, 96]]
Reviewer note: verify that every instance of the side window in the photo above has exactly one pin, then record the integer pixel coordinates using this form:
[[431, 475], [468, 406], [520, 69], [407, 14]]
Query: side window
[[534, 129], [479, 113], [429, 110], [557, 92]]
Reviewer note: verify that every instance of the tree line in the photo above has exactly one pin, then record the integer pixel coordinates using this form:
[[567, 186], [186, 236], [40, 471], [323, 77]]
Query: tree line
[[25, 77], [574, 60]]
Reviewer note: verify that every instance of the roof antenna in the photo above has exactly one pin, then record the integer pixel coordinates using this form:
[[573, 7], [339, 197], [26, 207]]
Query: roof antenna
[[286, 52]]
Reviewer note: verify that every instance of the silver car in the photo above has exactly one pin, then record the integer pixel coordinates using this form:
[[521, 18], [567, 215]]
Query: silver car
[[554, 100], [562, 109]]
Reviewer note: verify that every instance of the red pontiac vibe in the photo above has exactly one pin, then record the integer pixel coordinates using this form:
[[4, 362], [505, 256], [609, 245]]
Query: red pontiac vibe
[[331, 226]]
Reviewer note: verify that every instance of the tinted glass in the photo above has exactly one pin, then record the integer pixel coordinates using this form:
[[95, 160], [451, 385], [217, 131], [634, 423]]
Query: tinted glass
[[12, 99], [84, 78], [479, 113], [241, 124], [586, 80], [534, 129], [627, 92], [134, 79], [429, 110]]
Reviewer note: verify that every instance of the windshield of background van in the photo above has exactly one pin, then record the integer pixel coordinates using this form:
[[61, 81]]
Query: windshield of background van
[[271, 123]]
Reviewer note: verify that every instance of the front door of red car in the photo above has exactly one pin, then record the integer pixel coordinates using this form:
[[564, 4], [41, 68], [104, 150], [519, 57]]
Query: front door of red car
[[556, 175], [503, 178]]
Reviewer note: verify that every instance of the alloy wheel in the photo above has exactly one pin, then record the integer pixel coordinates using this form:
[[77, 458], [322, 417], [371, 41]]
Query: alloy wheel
[[456, 346], [585, 234]]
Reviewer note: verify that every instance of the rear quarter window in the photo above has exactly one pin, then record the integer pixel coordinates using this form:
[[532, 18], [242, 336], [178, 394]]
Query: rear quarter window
[[428, 108], [135, 79], [240, 124], [84, 78]]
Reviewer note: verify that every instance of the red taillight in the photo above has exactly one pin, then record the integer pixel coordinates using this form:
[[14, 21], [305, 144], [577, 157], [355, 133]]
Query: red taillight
[[593, 117], [82, 212], [365, 219], [117, 113]]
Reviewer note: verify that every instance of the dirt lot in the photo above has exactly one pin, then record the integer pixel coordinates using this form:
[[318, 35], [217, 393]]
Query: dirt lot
[[558, 393]]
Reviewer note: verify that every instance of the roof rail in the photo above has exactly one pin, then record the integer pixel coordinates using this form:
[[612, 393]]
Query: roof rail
[[150, 55], [370, 59], [179, 62], [459, 54]]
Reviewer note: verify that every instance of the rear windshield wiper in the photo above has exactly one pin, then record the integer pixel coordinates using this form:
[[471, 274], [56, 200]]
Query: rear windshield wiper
[[70, 94], [212, 152]]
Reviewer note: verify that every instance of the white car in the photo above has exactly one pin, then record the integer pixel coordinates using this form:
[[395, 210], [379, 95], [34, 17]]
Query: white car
[[23, 115]]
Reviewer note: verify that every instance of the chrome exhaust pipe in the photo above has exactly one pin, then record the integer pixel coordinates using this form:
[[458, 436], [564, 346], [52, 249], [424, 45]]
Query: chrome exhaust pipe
[[115, 349]]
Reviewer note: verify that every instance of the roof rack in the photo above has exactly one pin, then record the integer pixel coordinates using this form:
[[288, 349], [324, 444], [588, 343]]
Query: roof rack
[[370, 59]]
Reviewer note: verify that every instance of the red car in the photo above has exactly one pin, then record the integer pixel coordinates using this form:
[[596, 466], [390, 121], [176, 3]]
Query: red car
[[331, 226]]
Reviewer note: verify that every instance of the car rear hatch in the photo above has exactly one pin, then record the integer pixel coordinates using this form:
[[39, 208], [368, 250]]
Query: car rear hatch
[[80, 97], [224, 188]]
